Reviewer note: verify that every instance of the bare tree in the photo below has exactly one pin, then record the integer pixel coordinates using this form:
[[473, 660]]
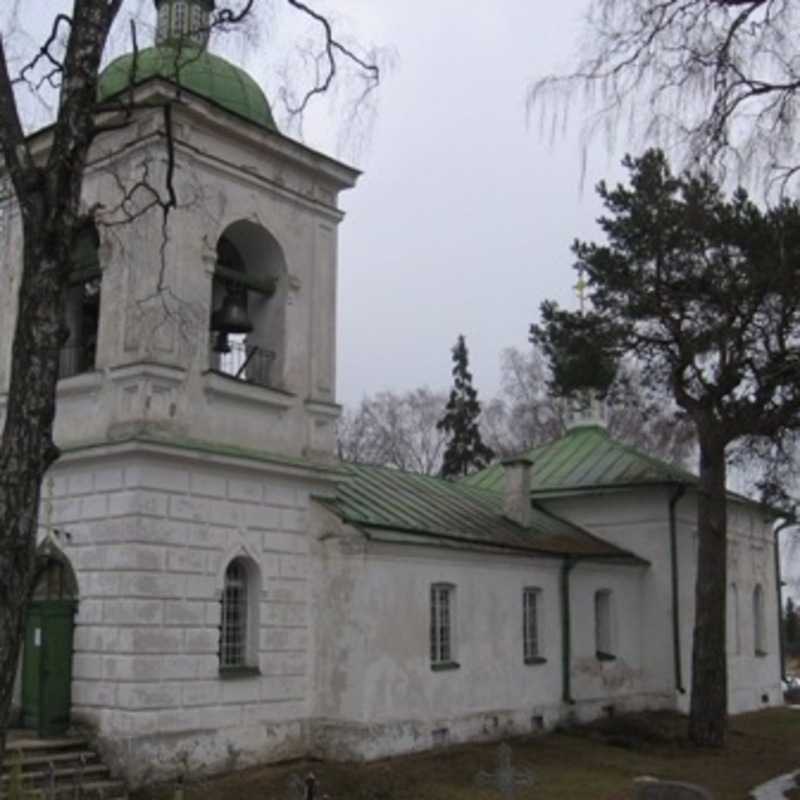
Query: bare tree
[[46, 185], [714, 80], [397, 430]]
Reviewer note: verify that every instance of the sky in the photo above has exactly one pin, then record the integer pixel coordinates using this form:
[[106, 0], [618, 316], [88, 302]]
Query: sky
[[463, 219]]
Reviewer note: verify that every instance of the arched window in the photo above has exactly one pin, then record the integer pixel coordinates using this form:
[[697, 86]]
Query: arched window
[[603, 624], [238, 648], [759, 632], [56, 581], [82, 305], [248, 306]]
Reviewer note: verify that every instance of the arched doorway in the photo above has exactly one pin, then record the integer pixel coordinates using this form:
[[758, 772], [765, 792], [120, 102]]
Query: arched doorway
[[47, 654]]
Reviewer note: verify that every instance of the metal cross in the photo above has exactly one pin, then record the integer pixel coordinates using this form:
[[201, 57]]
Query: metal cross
[[580, 288], [505, 778]]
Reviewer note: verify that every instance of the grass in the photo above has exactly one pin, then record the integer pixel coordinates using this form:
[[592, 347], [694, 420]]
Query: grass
[[596, 762]]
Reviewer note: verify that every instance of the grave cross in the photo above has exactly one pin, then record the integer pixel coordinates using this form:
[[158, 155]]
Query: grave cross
[[505, 778]]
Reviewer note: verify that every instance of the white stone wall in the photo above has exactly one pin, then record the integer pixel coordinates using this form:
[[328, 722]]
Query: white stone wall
[[149, 536], [376, 693], [639, 522]]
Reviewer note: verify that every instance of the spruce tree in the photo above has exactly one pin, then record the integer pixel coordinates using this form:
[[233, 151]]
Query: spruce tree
[[465, 451]]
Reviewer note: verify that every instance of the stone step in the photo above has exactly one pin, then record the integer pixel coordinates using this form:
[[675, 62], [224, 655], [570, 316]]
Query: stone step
[[94, 790], [27, 743], [30, 761], [60, 775]]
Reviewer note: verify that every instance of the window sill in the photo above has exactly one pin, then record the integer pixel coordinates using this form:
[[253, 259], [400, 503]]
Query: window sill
[[220, 385], [605, 656], [535, 660], [237, 673], [443, 666]]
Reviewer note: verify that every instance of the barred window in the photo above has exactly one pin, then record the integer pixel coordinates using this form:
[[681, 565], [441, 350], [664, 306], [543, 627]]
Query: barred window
[[603, 628], [442, 623], [530, 623], [233, 637]]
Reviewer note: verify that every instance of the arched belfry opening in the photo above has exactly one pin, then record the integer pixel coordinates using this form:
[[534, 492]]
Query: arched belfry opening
[[46, 684], [82, 305], [248, 306]]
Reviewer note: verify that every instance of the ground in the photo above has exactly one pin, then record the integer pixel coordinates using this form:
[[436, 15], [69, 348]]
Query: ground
[[597, 762]]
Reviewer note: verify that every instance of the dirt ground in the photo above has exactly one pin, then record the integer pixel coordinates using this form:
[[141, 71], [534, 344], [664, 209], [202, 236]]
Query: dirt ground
[[596, 762]]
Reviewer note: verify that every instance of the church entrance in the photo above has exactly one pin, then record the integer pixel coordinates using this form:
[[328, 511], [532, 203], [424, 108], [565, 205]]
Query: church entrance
[[47, 653]]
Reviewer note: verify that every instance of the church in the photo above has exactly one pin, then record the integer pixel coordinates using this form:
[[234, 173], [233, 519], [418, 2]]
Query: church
[[218, 590]]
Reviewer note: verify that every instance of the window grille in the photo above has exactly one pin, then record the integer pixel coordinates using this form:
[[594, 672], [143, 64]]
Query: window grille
[[233, 638], [604, 645], [530, 624], [441, 624]]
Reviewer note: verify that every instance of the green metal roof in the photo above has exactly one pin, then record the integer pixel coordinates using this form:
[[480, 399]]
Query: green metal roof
[[586, 458], [194, 70], [408, 507]]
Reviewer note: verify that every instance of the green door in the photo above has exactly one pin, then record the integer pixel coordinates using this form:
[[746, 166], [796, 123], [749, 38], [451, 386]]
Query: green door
[[47, 657], [56, 677], [32, 668]]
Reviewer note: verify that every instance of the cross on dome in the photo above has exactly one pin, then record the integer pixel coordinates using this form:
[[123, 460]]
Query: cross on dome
[[580, 289]]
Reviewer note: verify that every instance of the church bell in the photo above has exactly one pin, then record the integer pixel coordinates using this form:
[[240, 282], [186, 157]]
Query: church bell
[[232, 317]]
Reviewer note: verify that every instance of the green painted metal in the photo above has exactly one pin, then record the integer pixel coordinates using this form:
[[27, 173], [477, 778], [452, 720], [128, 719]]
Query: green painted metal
[[194, 70], [415, 508], [586, 458], [32, 668], [47, 666]]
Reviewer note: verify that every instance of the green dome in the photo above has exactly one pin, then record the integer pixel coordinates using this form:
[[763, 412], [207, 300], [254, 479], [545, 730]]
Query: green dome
[[195, 70]]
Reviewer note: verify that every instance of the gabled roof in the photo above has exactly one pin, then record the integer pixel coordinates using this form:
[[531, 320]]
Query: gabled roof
[[393, 505], [586, 458]]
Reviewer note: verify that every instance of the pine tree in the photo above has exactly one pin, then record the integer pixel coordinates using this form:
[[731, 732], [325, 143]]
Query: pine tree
[[465, 449], [702, 293]]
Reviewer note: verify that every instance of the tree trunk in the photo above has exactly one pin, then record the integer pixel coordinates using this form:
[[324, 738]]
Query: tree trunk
[[27, 448], [708, 716]]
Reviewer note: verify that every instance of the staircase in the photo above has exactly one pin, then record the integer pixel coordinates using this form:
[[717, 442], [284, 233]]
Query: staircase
[[66, 768]]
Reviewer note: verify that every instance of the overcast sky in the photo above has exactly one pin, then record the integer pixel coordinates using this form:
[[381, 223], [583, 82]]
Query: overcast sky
[[463, 219]]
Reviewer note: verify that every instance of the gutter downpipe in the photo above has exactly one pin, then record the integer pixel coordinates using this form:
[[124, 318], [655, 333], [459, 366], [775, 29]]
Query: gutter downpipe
[[680, 490], [778, 587], [566, 631]]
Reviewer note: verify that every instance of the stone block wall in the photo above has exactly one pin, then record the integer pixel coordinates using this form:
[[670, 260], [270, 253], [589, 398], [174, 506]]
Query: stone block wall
[[150, 537]]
